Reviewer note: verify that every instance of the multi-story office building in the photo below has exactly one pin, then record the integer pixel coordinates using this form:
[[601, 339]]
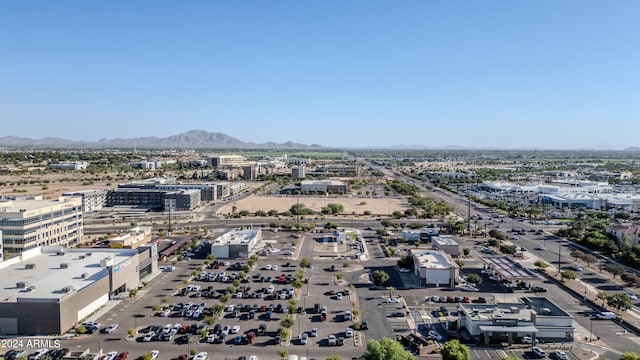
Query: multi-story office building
[[183, 200], [250, 172], [92, 200], [148, 198], [297, 172], [226, 160], [27, 224]]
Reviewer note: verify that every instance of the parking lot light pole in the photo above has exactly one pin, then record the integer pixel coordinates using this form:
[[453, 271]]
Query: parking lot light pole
[[591, 331]]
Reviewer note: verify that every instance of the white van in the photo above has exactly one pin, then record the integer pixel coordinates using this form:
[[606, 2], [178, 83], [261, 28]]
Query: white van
[[606, 315]]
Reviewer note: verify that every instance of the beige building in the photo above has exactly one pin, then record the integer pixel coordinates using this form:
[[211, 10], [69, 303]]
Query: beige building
[[133, 239], [435, 268], [219, 161], [27, 224]]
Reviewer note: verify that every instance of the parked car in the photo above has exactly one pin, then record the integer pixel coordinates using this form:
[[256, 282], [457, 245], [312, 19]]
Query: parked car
[[200, 356], [111, 355], [109, 329], [560, 355], [435, 335], [348, 332], [392, 301], [538, 289], [304, 338], [538, 352], [405, 270], [314, 332], [149, 336]]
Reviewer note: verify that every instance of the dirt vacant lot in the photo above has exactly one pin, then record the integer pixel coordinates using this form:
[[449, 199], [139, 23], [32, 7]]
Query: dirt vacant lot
[[377, 206]]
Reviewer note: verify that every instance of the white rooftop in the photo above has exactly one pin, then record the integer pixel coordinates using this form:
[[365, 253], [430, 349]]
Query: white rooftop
[[433, 259], [238, 237], [48, 277]]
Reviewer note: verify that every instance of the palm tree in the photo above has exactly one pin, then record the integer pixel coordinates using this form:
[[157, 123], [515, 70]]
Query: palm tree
[[391, 289]]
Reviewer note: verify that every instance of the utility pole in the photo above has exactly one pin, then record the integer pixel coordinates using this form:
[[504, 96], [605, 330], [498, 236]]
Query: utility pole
[[559, 252], [469, 213]]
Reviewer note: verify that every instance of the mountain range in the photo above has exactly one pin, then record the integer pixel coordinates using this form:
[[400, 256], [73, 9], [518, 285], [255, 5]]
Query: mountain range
[[194, 139]]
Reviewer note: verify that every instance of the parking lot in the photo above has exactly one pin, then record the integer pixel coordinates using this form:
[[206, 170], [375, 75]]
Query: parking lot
[[178, 305]]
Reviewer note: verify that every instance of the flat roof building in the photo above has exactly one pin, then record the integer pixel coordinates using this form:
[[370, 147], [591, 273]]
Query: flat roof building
[[133, 239], [435, 267], [236, 244], [537, 317], [447, 244], [323, 186], [92, 200], [27, 224], [47, 290]]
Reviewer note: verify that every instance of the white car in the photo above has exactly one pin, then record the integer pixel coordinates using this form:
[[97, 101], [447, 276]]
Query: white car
[[632, 296], [392, 301], [165, 312], [111, 355], [268, 267], [528, 340], [235, 329], [472, 289], [92, 324], [405, 270], [538, 352], [36, 355], [339, 296], [304, 338], [539, 247], [149, 336], [253, 357], [314, 332], [434, 334], [154, 354], [225, 330], [560, 355], [486, 271], [274, 250], [111, 328], [494, 277], [200, 356], [348, 333]]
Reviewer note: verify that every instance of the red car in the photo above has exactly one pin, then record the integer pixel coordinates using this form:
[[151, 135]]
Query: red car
[[122, 356], [466, 299]]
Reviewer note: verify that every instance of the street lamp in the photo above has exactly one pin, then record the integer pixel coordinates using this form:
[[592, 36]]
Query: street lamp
[[591, 331]]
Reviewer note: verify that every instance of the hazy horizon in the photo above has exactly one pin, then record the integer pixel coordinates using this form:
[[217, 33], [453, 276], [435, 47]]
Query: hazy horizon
[[358, 74]]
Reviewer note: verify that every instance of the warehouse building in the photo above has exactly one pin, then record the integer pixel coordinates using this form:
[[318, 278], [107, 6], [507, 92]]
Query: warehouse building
[[47, 290]]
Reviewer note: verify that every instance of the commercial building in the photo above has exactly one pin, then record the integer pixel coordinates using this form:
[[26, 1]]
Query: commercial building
[[435, 268], [339, 170], [447, 244], [251, 172], [183, 200], [298, 172], [27, 224], [47, 290], [625, 232], [226, 161], [236, 244], [152, 199], [74, 165], [133, 239], [323, 187], [92, 200], [536, 317]]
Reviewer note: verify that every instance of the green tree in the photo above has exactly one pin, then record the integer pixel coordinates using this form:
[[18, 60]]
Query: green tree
[[567, 274], [614, 270], [283, 354], [630, 356], [337, 357], [541, 264], [147, 356], [604, 296], [474, 279], [386, 349], [380, 277], [620, 302], [454, 350], [287, 322], [466, 251], [304, 263], [459, 262]]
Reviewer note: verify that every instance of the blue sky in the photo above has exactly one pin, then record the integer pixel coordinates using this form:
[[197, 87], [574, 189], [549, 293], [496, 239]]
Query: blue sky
[[510, 74]]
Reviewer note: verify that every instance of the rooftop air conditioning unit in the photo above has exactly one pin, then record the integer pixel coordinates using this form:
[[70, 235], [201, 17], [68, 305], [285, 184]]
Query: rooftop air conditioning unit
[[30, 266], [31, 288], [67, 289], [60, 253], [87, 254], [21, 285], [81, 257], [64, 266], [84, 275]]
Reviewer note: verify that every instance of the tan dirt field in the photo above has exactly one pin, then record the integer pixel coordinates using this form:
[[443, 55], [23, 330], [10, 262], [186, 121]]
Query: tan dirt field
[[253, 203]]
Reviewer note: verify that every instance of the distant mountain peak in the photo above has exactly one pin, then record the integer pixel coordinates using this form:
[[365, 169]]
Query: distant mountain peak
[[192, 139]]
